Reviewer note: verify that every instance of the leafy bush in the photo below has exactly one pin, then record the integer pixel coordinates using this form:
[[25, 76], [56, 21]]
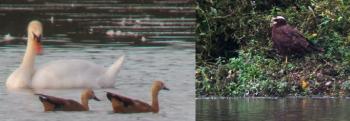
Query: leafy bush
[[235, 57]]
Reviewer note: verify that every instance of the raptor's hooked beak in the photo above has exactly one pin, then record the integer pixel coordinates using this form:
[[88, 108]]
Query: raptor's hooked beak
[[37, 43], [273, 22]]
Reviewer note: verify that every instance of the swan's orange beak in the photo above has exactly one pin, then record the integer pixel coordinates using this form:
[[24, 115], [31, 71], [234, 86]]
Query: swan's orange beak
[[38, 48]]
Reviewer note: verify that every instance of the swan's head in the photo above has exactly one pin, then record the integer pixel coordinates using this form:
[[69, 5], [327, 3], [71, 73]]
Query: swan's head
[[35, 30], [89, 94], [159, 85]]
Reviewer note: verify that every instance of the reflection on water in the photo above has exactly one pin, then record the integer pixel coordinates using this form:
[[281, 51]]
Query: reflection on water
[[136, 22], [273, 109]]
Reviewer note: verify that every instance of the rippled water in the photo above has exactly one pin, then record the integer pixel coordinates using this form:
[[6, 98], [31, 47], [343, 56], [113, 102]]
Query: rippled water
[[136, 22], [174, 64], [273, 109], [156, 36]]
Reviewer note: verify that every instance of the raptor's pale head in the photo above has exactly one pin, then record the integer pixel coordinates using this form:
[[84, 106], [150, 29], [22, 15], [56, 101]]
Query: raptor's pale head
[[278, 20]]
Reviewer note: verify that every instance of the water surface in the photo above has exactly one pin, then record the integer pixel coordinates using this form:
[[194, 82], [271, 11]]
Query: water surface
[[273, 109], [174, 65], [136, 22], [156, 36]]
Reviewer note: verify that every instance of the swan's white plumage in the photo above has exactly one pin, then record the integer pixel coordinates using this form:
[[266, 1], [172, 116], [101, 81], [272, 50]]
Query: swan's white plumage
[[22, 76], [60, 73], [75, 74], [19, 78], [67, 74]]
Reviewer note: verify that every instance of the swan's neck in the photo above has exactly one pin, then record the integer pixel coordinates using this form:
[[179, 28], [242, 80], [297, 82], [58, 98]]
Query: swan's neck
[[29, 56], [85, 102], [155, 105]]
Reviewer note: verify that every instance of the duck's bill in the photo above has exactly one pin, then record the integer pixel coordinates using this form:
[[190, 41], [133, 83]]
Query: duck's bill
[[95, 98], [165, 88]]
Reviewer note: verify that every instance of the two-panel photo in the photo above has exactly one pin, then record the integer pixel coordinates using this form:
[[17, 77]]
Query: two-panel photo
[[174, 60]]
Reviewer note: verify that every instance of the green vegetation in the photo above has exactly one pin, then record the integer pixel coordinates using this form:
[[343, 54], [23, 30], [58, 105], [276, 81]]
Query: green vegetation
[[235, 57]]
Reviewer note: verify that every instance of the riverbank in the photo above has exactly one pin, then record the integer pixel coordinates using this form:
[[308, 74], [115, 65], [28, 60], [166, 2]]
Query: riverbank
[[235, 56]]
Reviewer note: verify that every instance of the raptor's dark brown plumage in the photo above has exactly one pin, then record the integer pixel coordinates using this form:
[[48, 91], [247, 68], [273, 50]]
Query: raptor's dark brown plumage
[[288, 40]]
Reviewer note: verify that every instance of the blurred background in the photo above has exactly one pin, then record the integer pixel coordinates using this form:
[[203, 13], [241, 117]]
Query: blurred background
[[100, 21]]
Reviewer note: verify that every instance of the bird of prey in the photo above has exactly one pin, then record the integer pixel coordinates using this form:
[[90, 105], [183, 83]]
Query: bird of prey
[[288, 40]]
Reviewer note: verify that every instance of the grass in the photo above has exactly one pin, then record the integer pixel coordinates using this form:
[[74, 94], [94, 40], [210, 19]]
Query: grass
[[235, 57]]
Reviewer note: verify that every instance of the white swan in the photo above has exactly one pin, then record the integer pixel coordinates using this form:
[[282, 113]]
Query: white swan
[[59, 73]]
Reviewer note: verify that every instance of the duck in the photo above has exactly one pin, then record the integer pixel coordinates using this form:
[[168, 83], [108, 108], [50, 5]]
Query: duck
[[123, 104], [58, 74], [52, 103]]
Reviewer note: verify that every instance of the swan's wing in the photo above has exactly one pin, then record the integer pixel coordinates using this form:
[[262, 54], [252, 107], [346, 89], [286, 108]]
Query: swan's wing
[[111, 72], [68, 74]]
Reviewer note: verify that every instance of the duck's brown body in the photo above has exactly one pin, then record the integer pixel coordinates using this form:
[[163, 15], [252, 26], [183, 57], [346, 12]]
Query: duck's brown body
[[122, 104], [52, 103]]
